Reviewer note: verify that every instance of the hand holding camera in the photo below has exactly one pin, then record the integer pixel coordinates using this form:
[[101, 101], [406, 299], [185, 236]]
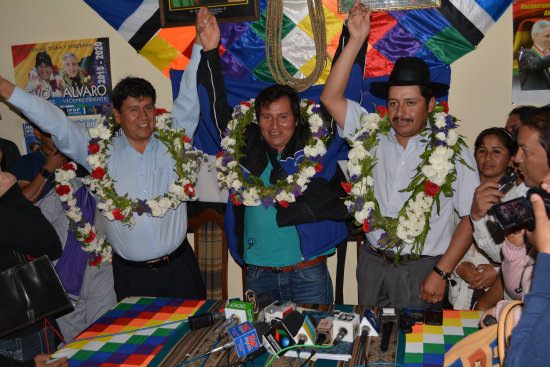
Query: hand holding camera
[[514, 214]]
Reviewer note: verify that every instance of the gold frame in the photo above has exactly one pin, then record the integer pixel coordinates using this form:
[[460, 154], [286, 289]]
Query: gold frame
[[226, 11], [384, 5]]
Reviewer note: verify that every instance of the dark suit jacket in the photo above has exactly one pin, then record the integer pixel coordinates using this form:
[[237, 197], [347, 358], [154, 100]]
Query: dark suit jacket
[[533, 70]]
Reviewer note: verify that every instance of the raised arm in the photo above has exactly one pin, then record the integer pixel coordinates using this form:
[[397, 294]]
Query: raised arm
[[210, 77], [332, 97], [185, 108], [68, 137]]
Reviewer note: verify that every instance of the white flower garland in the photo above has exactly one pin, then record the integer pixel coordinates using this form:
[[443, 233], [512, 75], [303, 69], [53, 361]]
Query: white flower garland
[[85, 233], [434, 175], [115, 207], [249, 190]]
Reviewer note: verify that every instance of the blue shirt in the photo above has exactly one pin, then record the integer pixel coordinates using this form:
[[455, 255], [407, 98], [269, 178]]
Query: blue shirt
[[143, 176], [394, 170], [27, 166]]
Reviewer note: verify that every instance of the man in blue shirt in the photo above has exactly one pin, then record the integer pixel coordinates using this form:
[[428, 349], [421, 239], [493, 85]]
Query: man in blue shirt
[[153, 258]]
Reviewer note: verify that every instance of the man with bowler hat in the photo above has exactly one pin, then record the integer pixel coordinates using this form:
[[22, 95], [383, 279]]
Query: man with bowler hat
[[410, 94]]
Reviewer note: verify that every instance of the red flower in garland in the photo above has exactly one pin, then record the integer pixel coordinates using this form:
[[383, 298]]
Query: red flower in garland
[[93, 148], [366, 226], [318, 167], [189, 189], [90, 238], [117, 214], [62, 190], [247, 104], [159, 111], [220, 153], [96, 261], [346, 186], [68, 167], [186, 139], [283, 203], [235, 202], [445, 106], [382, 111], [430, 188], [98, 173]]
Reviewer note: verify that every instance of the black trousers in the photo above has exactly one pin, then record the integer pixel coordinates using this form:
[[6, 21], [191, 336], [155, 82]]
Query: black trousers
[[180, 278]]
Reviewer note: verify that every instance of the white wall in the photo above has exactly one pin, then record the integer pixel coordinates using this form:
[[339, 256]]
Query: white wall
[[480, 92]]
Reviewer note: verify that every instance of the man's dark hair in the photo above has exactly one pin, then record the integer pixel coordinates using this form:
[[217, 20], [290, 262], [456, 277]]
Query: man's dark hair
[[275, 92], [43, 57], [427, 92], [522, 111], [538, 119], [502, 134], [132, 87]]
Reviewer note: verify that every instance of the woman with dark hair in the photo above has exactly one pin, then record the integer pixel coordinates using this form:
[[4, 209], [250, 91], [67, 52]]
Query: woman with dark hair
[[494, 149]]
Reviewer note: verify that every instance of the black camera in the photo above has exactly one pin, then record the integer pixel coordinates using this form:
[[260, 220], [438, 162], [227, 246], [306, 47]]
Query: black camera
[[507, 180], [517, 213]]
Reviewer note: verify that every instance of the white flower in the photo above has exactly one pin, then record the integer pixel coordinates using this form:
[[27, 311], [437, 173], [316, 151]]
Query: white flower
[[452, 137], [440, 120], [441, 136]]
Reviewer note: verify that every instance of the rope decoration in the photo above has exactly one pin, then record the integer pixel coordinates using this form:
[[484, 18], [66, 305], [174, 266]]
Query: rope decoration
[[273, 49]]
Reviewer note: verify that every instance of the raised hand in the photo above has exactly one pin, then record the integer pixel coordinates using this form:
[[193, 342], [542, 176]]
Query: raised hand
[[358, 21], [207, 29]]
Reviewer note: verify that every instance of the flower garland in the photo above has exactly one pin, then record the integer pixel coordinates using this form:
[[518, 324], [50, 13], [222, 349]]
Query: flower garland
[[249, 190], [121, 208], [84, 231], [434, 175]]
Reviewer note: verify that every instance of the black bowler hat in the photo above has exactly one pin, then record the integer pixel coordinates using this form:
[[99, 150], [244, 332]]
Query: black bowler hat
[[408, 71], [43, 57]]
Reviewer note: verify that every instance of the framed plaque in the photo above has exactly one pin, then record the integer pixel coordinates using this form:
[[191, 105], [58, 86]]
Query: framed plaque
[[383, 5], [179, 13]]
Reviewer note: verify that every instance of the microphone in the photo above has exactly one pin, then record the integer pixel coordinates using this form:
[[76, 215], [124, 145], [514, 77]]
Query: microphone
[[345, 327], [230, 322], [323, 332], [300, 327], [247, 339], [204, 319], [277, 338], [388, 317], [369, 323], [243, 310]]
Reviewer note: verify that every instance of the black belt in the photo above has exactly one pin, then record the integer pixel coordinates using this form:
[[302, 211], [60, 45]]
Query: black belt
[[389, 256], [154, 263]]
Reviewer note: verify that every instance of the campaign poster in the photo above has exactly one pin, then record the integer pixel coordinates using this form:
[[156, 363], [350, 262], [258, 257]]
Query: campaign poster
[[531, 52], [74, 75]]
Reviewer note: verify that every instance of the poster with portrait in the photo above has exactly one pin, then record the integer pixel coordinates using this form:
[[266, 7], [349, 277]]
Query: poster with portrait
[[74, 75], [531, 52]]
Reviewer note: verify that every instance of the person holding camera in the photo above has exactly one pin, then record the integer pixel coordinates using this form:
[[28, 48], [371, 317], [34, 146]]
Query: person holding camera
[[494, 149], [518, 260], [529, 340]]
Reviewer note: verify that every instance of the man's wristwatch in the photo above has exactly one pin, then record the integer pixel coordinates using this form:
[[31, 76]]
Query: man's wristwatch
[[45, 173], [443, 274]]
